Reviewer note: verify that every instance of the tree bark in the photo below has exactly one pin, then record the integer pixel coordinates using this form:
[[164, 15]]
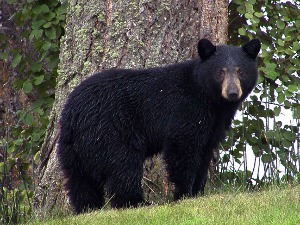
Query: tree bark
[[122, 34]]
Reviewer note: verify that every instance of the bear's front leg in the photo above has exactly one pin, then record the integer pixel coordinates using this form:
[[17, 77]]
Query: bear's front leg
[[182, 166], [200, 180], [184, 148]]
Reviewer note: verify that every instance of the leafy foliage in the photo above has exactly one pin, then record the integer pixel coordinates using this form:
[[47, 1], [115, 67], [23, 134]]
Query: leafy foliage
[[265, 129], [32, 51]]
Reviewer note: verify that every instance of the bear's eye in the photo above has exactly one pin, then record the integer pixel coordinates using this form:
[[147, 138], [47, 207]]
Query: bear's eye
[[221, 75], [240, 73]]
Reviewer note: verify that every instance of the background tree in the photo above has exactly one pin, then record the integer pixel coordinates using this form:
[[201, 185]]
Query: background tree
[[121, 34]]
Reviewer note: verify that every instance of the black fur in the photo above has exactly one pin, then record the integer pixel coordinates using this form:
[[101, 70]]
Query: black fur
[[114, 120], [205, 49], [252, 48]]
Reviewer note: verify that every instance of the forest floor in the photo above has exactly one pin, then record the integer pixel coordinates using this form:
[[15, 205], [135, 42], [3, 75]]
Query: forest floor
[[274, 206]]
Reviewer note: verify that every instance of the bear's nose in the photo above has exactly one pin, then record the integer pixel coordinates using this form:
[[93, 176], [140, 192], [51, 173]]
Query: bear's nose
[[232, 96]]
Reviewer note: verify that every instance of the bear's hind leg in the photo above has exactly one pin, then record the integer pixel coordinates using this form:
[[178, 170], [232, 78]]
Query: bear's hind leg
[[183, 184], [124, 185], [199, 184], [181, 171], [84, 193]]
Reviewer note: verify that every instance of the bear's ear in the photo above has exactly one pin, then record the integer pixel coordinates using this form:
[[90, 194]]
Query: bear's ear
[[252, 48], [205, 49]]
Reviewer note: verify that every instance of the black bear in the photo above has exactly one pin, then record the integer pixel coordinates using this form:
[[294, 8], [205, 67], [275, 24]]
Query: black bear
[[114, 120]]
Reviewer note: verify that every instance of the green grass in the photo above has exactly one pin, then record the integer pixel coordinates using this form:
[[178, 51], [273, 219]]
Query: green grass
[[276, 206]]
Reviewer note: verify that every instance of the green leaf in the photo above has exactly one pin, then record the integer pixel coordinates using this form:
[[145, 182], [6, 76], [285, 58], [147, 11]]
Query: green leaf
[[280, 98], [286, 143], [37, 103], [28, 119], [45, 8], [280, 42], [292, 88], [225, 158], [288, 38], [277, 111], [251, 140], [51, 33], [61, 10], [36, 67], [248, 16], [36, 34], [279, 89], [27, 87], [47, 25], [18, 142], [266, 158], [249, 8], [37, 9], [256, 150], [37, 156], [296, 45], [287, 104], [289, 135], [37, 24], [38, 80], [260, 79], [39, 111], [1, 168], [16, 60], [46, 45], [35, 136], [280, 24], [269, 71], [49, 16], [271, 74], [241, 9], [11, 149], [258, 14], [288, 51], [255, 20], [242, 31]]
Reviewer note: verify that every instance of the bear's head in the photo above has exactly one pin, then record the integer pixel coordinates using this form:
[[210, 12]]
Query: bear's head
[[229, 70]]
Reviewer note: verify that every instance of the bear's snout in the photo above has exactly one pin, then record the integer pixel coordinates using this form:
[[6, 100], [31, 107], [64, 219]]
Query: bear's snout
[[231, 85]]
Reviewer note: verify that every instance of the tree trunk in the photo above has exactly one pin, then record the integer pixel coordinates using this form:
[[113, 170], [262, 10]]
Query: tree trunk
[[122, 34]]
